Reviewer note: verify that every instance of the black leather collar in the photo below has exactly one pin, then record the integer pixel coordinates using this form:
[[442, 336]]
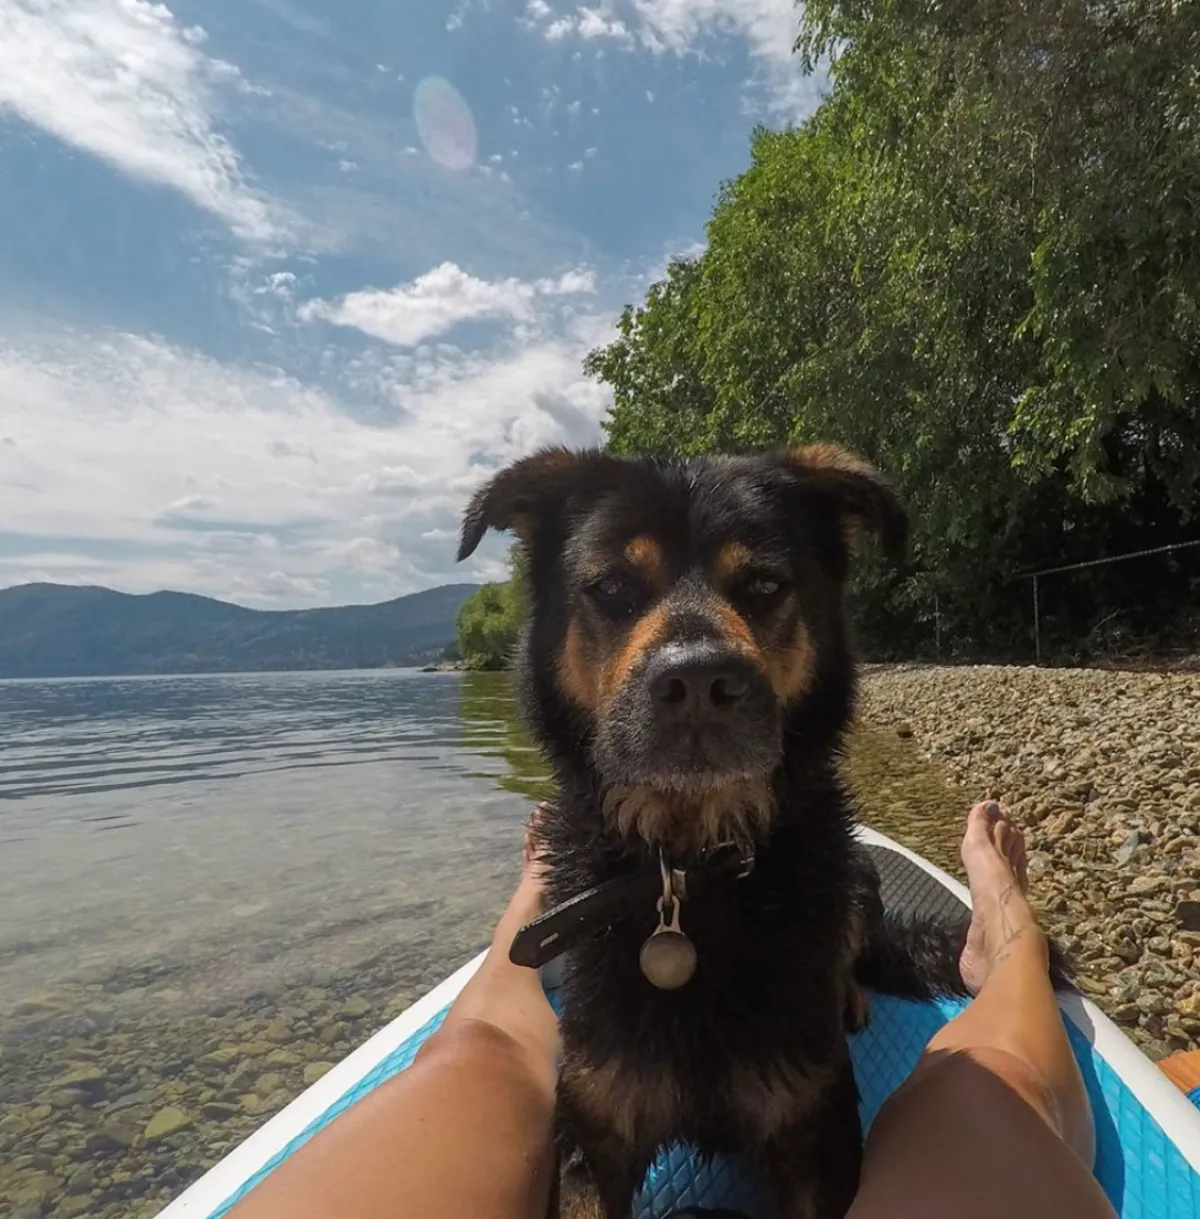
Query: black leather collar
[[560, 929]]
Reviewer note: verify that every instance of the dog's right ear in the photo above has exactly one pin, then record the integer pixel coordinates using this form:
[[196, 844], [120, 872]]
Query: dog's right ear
[[515, 497]]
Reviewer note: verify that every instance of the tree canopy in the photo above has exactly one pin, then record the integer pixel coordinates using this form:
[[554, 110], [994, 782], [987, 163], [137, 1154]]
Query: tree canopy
[[977, 264]]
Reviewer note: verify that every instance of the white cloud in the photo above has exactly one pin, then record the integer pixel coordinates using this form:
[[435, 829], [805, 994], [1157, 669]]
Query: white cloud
[[576, 167], [592, 23], [681, 26], [588, 23], [192, 504], [276, 495], [275, 587], [124, 81], [580, 281], [439, 300], [684, 27]]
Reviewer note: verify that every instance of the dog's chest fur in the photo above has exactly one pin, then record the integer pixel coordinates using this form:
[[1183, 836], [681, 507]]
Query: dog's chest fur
[[744, 1050]]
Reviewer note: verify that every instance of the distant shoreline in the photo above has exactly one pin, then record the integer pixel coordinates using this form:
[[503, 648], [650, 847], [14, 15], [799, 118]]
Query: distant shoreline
[[54, 630], [210, 673]]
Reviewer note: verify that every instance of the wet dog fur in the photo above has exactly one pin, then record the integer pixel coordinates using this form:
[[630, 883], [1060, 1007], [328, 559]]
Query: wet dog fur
[[687, 669]]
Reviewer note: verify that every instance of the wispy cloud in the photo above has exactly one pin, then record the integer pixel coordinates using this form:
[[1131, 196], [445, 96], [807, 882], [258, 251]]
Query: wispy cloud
[[192, 504], [132, 463], [439, 300], [688, 27], [587, 23], [124, 81]]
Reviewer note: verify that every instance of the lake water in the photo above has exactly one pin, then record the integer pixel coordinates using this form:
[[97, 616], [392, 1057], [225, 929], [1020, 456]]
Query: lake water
[[186, 860], [235, 833], [213, 887]]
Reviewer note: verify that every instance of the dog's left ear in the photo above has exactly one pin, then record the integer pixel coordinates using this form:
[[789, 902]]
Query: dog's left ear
[[865, 499], [521, 494]]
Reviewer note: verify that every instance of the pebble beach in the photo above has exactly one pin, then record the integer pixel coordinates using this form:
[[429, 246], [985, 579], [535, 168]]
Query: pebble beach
[[1102, 771]]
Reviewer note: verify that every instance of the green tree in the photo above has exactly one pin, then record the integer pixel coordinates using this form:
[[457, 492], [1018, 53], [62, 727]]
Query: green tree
[[489, 621], [977, 264]]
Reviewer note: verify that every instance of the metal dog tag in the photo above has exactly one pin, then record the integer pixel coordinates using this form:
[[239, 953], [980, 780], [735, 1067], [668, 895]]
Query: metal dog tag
[[668, 957]]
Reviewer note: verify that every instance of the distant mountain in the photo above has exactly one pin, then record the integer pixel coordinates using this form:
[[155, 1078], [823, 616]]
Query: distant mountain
[[57, 630]]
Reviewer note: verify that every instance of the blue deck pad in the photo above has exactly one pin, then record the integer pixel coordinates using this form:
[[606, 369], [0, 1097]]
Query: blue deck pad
[[1143, 1174]]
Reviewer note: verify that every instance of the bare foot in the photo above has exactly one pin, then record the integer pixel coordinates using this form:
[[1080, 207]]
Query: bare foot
[[531, 845], [529, 898], [993, 853]]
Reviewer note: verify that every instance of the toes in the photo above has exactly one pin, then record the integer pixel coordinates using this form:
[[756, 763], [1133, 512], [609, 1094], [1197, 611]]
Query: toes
[[531, 839], [1010, 842], [979, 826], [1021, 861], [1003, 840]]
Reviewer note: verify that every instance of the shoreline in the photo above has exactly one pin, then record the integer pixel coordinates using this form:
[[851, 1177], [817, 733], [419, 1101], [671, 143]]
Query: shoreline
[[1101, 768]]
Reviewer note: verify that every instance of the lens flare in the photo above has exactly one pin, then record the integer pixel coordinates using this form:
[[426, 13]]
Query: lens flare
[[445, 123]]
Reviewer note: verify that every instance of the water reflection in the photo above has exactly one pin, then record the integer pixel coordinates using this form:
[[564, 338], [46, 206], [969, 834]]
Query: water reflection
[[491, 727]]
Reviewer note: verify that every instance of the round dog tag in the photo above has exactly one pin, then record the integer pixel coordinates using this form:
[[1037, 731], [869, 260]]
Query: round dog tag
[[668, 957]]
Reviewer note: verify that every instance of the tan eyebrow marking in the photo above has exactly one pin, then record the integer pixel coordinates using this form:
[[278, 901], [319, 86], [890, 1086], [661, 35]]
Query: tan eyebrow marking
[[646, 555], [731, 558]]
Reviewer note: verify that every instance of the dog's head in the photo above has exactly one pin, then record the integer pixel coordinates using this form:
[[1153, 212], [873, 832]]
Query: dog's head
[[687, 626]]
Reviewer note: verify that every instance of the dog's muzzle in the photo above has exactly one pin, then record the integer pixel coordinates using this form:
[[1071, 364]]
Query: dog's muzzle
[[696, 716]]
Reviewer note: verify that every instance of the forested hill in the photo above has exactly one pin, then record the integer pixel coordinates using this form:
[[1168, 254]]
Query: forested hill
[[977, 264], [54, 630]]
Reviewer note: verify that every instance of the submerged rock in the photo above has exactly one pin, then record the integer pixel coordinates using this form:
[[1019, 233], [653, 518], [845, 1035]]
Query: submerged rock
[[166, 1122]]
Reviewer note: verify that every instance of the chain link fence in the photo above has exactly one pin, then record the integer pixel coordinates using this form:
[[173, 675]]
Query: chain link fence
[[1036, 577]]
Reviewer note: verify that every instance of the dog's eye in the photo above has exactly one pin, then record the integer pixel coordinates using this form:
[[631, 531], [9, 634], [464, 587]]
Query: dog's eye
[[761, 590], [615, 593]]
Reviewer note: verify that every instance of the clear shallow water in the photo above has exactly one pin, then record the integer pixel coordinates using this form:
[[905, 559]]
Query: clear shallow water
[[237, 833], [213, 887]]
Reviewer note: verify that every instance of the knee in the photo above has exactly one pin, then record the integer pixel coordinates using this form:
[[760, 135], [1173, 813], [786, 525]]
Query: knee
[[973, 1075], [478, 1046], [469, 1039]]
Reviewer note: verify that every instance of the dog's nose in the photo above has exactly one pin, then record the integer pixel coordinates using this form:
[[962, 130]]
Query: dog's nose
[[701, 687]]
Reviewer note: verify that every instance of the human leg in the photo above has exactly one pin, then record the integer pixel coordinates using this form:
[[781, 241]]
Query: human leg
[[994, 1121], [467, 1129]]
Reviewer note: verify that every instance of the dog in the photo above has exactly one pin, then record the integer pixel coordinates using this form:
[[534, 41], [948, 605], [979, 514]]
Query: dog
[[686, 666]]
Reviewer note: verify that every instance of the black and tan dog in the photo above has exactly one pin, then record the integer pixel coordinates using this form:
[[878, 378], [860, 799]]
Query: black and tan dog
[[687, 669]]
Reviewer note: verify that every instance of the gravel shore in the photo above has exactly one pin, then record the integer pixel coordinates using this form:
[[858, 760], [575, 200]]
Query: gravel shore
[[1102, 769]]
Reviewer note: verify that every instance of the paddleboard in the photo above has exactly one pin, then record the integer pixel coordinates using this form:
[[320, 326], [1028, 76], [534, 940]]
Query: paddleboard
[[1148, 1131]]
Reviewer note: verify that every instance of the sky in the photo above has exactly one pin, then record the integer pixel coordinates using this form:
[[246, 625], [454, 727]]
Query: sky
[[281, 281]]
